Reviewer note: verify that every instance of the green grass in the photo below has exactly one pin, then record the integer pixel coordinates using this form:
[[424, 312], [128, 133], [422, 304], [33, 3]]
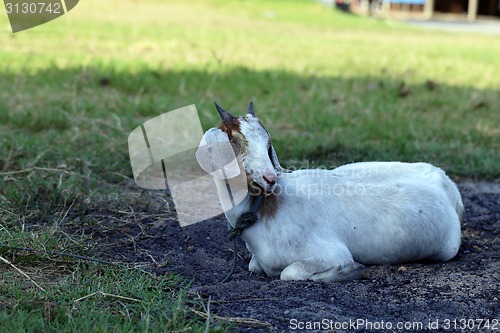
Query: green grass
[[326, 85], [80, 295], [95, 299]]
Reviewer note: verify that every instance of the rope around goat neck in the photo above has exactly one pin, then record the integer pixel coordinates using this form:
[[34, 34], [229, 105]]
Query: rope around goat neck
[[246, 220]]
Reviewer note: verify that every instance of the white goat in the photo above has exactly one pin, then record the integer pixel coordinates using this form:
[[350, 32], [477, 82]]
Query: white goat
[[324, 224]]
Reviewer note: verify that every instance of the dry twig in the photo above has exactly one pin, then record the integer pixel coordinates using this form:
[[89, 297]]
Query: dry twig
[[63, 254], [102, 293], [238, 320], [208, 314], [32, 169], [20, 271]]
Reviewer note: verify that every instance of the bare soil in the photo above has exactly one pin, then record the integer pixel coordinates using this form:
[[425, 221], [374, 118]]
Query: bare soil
[[444, 294]]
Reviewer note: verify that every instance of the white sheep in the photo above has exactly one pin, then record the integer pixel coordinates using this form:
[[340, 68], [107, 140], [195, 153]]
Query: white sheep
[[323, 225]]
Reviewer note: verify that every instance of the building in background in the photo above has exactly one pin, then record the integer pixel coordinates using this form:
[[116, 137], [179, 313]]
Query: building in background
[[426, 9]]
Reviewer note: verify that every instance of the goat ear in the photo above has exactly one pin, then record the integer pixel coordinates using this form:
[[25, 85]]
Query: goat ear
[[215, 155], [274, 159], [225, 116], [250, 109]]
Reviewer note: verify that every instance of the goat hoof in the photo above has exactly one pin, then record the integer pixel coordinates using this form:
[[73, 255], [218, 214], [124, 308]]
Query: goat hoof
[[351, 271], [254, 266]]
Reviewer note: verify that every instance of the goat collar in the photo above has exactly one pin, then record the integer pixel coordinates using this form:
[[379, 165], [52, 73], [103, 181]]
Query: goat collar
[[256, 201], [246, 219]]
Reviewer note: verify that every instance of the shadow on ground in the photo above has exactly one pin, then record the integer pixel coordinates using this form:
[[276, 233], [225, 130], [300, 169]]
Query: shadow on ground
[[338, 119]]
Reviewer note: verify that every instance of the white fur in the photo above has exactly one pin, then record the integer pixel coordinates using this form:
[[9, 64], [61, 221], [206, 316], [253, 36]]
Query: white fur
[[329, 221], [256, 162]]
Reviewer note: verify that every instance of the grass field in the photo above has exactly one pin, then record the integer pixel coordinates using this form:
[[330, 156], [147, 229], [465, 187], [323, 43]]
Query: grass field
[[331, 88]]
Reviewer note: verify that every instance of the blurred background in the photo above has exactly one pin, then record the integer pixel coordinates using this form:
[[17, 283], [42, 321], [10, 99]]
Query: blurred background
[[332, 87]]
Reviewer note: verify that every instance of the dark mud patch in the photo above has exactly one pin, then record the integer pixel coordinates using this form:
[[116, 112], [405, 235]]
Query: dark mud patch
[[459, 295]]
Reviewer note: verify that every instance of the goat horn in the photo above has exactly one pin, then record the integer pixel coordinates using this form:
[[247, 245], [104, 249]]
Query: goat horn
[[225, 116], [250, 109]]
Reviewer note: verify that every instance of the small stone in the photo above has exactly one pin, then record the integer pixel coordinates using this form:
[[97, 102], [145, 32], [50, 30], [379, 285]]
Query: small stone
[[104, 81], [402, 269], [431, 85], [371, 86], [191, 248], [404, 90], [287, 312], [478, 104]]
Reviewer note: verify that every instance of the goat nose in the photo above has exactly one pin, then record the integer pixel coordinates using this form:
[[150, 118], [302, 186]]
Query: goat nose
[[270, 179]]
